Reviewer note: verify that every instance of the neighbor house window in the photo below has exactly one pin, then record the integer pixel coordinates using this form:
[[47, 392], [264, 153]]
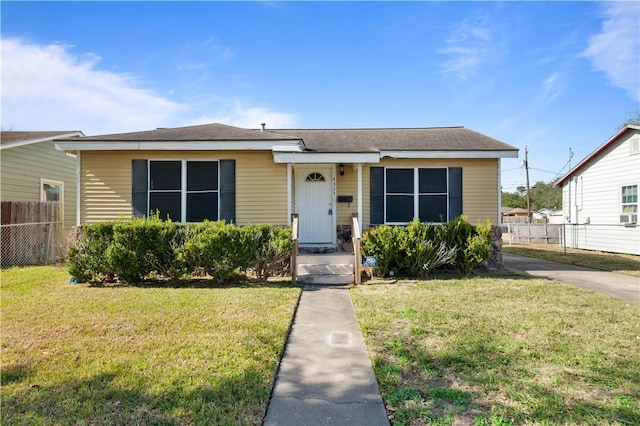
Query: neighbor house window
[[629, 198], [185, 191], [416, 193], [51, 190]]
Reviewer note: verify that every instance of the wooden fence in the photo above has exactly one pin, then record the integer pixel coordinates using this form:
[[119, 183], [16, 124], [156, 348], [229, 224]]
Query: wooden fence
[[534, 233], [32, 233]]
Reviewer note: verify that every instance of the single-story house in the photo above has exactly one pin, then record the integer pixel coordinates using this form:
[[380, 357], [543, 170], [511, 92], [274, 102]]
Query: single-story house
[[217, 171], [600, 196], [548, 216], [515, 215], [32, 169]]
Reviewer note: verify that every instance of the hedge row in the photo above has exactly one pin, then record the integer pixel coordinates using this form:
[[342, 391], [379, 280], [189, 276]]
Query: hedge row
[[418, 248], [134, 249]]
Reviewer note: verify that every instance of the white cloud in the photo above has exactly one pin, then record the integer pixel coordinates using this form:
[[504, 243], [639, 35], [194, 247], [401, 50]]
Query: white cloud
[[615, 50], [46, 87], [551, 88], [468, 48], [250, 117]]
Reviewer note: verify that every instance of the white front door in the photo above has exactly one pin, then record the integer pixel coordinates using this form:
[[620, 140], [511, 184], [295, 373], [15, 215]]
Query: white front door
[[314, 204]]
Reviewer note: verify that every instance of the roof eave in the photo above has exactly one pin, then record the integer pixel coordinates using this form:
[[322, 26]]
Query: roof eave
[[325, 157], [586, 160], [227, 145], [449, 154], [41, 139]]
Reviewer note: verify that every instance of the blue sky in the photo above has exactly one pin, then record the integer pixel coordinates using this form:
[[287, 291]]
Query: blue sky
[[547, 75]]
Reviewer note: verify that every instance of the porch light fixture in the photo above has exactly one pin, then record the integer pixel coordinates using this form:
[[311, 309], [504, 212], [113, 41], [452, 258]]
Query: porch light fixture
[[341, 169]]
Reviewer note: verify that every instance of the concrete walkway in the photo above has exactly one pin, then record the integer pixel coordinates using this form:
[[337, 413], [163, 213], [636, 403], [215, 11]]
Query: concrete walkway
[[621, 286], [325, 377]]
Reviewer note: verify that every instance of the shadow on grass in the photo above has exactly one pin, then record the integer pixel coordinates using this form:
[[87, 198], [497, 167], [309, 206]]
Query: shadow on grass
[[106, 399], [199, 283], [466, 379], [595, 260]]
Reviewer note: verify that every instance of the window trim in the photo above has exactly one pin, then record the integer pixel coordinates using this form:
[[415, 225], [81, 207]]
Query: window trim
[[416, 193], [51, 182], [183, 184], [623, 204]]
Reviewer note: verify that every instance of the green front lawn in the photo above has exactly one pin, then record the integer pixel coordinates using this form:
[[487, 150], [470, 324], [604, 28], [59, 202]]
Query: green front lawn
[[502, 350], [75, 354], [627, 264]]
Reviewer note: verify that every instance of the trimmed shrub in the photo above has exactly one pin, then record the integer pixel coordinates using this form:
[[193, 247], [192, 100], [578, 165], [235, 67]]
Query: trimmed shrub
[[141, 246], [86, 258], [213, 247], [473, 242], [136, 249], [384, 243], [271, 253], [417, 249]]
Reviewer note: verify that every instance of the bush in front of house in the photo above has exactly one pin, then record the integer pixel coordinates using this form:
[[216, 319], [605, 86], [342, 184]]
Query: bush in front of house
[[141, 246], [85, 256], [213, 247], [417, 249], [132, 250], [270, 249]]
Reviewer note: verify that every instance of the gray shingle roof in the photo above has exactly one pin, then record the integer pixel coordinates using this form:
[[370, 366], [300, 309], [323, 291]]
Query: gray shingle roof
[[411, 139], [204, 132], [326, 140]]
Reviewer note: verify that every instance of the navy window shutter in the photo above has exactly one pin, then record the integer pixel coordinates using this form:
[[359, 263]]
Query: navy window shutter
[[139, 188], [228, 190], [376, 181], [455, 192]]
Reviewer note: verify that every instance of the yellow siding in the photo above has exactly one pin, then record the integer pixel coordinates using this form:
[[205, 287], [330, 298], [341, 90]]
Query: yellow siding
[[261, 185], [347, 185], [261, 189], [261, 195], [479, 185]]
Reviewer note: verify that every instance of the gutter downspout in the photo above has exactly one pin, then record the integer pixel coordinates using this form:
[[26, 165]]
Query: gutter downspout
[[78, 178], [289, 197], [499, 192], [360, 195]]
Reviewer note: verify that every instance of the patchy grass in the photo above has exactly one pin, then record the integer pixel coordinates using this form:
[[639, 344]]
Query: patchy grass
[[613, 262], [74, 354], [502, 350]]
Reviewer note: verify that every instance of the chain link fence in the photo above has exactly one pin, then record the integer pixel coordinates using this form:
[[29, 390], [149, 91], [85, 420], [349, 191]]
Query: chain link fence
[[614, 238], [31, 244], [32, 233]]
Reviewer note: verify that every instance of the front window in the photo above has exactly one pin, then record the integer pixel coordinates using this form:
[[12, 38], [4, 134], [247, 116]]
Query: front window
[[629, 195], [416, 192], [185, 191]]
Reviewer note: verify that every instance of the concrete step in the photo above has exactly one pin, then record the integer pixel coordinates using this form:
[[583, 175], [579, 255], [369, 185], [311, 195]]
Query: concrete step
[[325, 273], [326, 268]]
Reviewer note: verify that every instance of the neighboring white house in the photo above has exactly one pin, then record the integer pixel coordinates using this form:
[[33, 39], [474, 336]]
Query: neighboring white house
[[600, 196]]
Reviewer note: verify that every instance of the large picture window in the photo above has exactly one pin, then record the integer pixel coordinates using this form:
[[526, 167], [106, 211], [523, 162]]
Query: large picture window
[[184, 191], [416, 192]]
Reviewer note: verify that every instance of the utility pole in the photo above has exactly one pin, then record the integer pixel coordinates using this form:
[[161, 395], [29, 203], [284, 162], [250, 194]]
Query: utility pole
[[568, 213], [526, 168]]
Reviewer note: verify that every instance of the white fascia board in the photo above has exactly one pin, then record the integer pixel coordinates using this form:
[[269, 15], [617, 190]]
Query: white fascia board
[[174, 146], [325, 157], [288, 148], [38, 140], [449, 154]]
